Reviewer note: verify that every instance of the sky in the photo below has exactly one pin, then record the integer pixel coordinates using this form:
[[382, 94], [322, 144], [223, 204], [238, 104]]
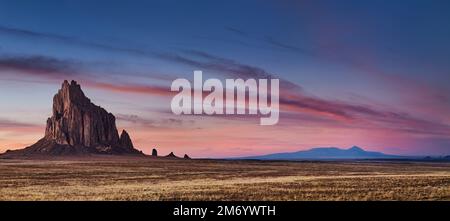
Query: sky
[[369, 73]]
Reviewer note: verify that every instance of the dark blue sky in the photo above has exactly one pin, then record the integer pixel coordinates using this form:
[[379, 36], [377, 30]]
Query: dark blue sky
[[402, 37]]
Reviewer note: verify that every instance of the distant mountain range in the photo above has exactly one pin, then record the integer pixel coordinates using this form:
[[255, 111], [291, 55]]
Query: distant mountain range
[[325, 153]]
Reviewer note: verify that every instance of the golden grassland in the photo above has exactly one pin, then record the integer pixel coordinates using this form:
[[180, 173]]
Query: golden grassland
[[165, 179]]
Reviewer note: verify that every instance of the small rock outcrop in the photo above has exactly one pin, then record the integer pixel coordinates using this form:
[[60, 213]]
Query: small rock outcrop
[[186, 157], [172, 155], [125, 141], [77, 126], [154, 153]]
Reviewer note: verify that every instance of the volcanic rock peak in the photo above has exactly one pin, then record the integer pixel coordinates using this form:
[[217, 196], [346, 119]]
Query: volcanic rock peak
[[79, 126]]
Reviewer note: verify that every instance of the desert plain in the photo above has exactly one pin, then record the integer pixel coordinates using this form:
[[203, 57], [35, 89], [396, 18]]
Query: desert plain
[[155, 179]]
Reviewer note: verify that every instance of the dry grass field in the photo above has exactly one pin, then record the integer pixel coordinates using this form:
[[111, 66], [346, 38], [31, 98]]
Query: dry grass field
[[164, 179]]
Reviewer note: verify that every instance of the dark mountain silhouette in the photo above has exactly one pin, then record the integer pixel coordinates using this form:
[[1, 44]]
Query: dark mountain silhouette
[[79, 127], [326, 153]]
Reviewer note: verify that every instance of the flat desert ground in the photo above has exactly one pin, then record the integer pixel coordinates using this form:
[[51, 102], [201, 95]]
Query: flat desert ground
[[165, 179]]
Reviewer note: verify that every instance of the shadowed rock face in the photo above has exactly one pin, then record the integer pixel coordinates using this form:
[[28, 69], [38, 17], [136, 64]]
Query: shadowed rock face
[[78, 126]]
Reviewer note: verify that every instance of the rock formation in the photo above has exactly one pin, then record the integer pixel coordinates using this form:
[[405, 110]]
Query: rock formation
[[77, 126], [172, 155], [154, 153]]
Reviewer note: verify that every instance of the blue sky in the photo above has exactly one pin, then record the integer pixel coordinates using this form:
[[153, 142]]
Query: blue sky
[[362, 59]]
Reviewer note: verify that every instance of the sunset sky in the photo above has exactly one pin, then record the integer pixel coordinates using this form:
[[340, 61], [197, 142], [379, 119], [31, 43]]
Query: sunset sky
[[375, 75]]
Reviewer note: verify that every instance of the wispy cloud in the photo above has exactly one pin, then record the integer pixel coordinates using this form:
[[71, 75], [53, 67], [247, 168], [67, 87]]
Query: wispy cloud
[[206, 61], [13, 127], [6, 123], [236, 31], [23, 33], [269, 41], [131, 88], [50, 69], [145, 122], [39, 65], [276, 43]]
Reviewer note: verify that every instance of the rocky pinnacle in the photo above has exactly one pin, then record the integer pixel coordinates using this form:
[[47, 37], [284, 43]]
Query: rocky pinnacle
[[77, 126]]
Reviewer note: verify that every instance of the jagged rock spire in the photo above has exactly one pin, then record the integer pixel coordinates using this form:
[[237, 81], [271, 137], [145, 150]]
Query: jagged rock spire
[[78, 122], [79, 126], [125, 140]]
